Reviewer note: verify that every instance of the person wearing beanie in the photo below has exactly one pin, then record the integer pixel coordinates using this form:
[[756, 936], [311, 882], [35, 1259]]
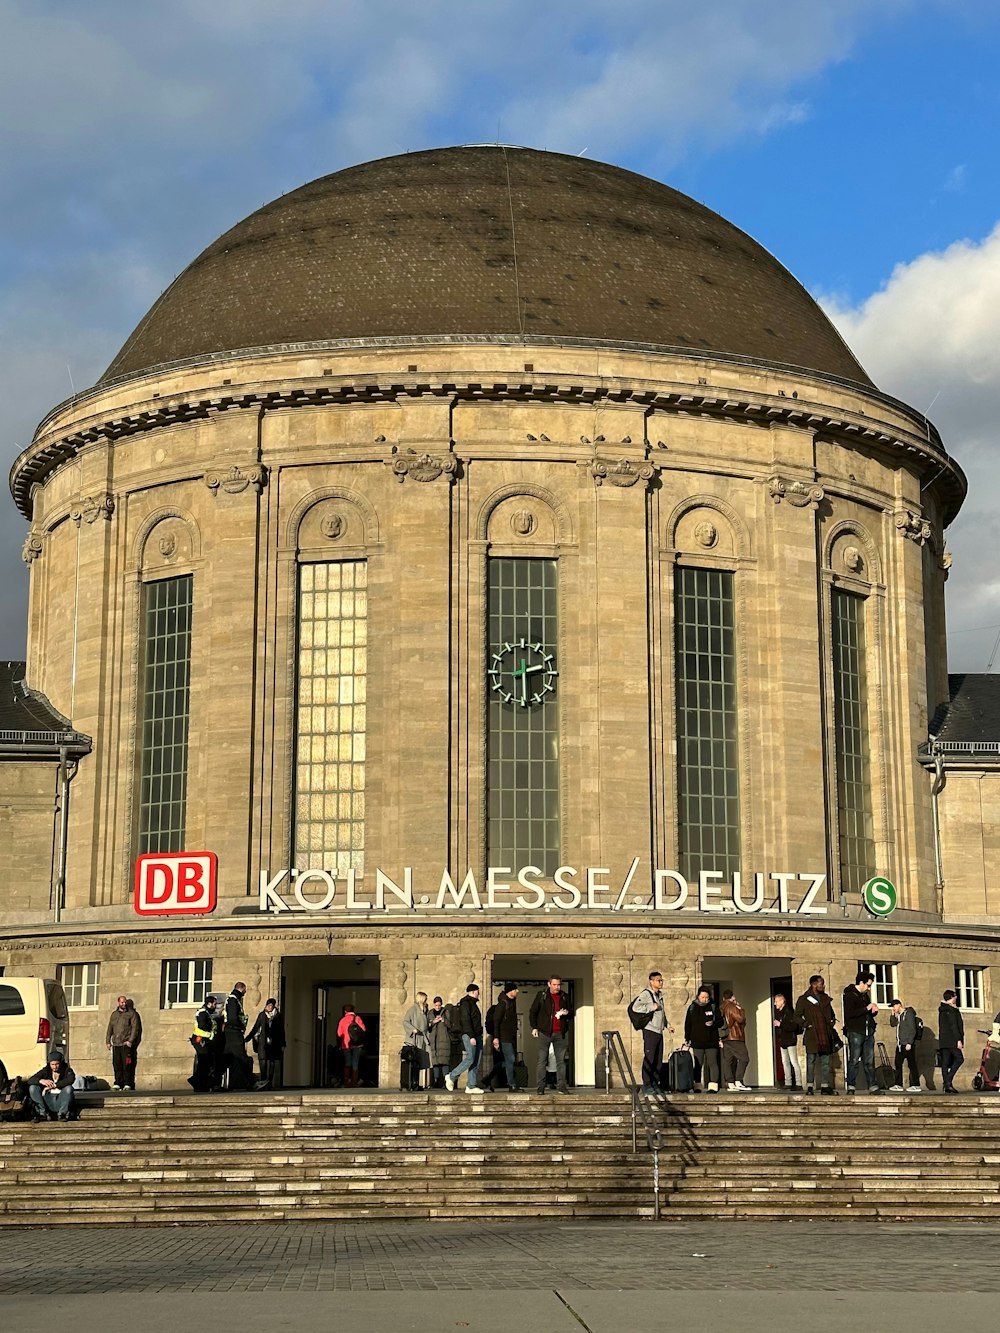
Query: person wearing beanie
[[51, 1089], [502, 1033], [471, 1021]]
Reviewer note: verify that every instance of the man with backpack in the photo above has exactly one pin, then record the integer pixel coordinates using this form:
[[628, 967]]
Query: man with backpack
[[909, 1028], [501, 1030], [471, 1023], [646, 1012], [351, 1038]]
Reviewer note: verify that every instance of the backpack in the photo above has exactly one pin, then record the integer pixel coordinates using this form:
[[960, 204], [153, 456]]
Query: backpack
[[355, 1034], [492, 1013], [918, 1027], [639, 1021], [452, 1021]]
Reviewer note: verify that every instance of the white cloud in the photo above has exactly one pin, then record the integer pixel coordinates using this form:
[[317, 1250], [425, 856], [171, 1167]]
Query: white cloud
[[932, 334]]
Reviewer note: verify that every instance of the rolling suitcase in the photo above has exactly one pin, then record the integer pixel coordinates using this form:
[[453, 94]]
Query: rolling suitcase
[[677, 1074], [885, 1072], [409, 1069]]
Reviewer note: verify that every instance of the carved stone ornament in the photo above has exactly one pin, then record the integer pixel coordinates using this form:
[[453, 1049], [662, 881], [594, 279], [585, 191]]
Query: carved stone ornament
[[92, 507], [236, 479], [946, 561], [797, 493], [167, 544], [523, 522], [622, 473], [32, 547], [420, 467], [332, 526], [705, 533], [853, 560], [914, 527]]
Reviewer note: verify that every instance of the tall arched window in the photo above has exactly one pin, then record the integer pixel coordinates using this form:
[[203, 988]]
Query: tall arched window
[[331, 715], [523, 714], [853, 751], [708, 786], [166, 707]]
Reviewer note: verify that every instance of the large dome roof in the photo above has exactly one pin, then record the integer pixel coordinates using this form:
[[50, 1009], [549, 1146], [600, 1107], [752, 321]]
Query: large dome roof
[[488, 241]]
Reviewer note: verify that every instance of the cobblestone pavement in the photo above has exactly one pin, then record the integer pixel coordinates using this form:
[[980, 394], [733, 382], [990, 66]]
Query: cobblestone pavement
[[627, 1256]]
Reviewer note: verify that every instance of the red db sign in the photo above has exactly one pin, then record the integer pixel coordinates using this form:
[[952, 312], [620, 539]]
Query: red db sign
[[175, 883]]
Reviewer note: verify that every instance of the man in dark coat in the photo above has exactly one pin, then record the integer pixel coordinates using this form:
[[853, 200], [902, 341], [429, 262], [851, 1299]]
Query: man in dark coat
[[860, 1012], [951, 1039], [550, 1017], [238, 1064], [51, 1089], [471, 1022], [815, 1012], [504, 1037]]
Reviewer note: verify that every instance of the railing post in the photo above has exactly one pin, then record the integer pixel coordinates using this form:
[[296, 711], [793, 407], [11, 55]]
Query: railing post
[[656, 1184], [607, 1062]]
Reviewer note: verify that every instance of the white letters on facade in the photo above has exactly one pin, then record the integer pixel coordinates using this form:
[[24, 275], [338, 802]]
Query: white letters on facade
[[776, 892]]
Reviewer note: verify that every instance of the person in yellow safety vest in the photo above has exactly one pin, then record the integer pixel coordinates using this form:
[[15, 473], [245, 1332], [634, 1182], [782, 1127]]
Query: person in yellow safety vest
[[204, 1077]]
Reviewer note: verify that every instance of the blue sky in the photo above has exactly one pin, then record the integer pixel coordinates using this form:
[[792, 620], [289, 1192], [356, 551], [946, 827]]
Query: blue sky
[[856, 139]]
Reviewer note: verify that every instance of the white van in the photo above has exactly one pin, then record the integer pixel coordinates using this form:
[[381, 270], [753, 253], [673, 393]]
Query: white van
[[33, 1021]]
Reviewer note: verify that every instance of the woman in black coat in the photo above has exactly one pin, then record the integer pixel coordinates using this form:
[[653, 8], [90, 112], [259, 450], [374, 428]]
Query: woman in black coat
[[268, 1038]]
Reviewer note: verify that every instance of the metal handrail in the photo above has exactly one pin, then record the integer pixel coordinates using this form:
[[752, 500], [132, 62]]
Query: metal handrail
[[615, 1049]]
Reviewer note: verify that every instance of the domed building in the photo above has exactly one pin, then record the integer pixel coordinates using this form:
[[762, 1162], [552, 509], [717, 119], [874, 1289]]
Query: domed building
[[482, 564]]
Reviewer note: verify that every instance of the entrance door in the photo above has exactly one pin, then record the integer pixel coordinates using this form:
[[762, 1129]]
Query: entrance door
[[530, 975], [314, 990], [780, 986], [753, 982]]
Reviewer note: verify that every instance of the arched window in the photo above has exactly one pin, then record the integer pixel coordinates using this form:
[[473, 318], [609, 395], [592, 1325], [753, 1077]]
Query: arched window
[[708, 776], [851, 738], [166, 707], [331, 715]]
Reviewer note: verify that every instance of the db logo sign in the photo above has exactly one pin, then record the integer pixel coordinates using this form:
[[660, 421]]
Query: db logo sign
[[175, 883]]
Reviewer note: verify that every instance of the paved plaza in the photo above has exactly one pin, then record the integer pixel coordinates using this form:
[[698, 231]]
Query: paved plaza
[[560, 1278]]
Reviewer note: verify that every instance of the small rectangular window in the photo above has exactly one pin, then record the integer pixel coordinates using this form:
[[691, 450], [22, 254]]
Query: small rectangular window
[[81, 984], [969, 985], [884, 987], [185, 981]]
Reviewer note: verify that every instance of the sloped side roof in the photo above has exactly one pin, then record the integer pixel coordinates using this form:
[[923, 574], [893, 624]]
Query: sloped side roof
[[28, 722], [971, 718]]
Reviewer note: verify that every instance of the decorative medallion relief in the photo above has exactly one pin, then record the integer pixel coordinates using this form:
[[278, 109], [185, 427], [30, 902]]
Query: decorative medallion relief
[[797, 493], [420, 467], [523, 522], [236, 479], [166, 544], [913, 526], [623, 473], [89, 508], [854, 561], [706, 534], [332, 526], [32, 548]]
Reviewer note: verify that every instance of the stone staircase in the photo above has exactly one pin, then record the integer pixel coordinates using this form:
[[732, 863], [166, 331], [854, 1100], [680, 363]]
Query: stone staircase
[[346, 1156]]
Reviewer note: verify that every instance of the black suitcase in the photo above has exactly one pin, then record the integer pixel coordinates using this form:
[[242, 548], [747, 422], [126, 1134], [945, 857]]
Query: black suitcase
[[677, 1073], [409, 1069], [885, 1071]]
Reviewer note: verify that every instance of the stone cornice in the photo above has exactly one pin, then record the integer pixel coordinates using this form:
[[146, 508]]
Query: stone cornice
[[50, 450]]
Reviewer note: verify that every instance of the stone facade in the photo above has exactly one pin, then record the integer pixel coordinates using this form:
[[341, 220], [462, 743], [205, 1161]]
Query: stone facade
[[425, 457]]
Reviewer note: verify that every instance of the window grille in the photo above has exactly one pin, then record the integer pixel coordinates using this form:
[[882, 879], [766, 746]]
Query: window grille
[[81, 984], [165, 714], [185, 981], [969, 985], [850, 692]]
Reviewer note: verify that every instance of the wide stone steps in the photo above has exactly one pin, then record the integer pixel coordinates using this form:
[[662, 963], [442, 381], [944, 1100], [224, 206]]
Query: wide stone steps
[[182, 1159]]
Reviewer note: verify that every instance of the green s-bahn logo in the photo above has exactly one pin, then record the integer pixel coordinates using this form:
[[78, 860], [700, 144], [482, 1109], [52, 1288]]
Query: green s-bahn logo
[[879, 896]]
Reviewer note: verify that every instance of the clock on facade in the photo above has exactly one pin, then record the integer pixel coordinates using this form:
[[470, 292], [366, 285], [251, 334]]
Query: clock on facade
[[522, 673]]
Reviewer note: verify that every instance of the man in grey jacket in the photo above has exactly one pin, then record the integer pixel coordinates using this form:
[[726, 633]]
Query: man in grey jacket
[[650, 1001], [121, 1039], [904, 1020]]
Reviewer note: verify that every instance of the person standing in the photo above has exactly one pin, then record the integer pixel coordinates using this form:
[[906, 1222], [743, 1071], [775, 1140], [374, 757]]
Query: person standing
[[351, 1040], [440, 1042], [130, 1005], [123, 1029], [504, 1036], [951, 1039], [787, 1030], [267, 1037], [650, 1001], [51, 1089], [204, 1039], [904, 1020], [814, 1010], [237, 1065], [735, 1056], [860, 1017], [550, 1016], [702, 1024], [416, 1026], [471, 1023]]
